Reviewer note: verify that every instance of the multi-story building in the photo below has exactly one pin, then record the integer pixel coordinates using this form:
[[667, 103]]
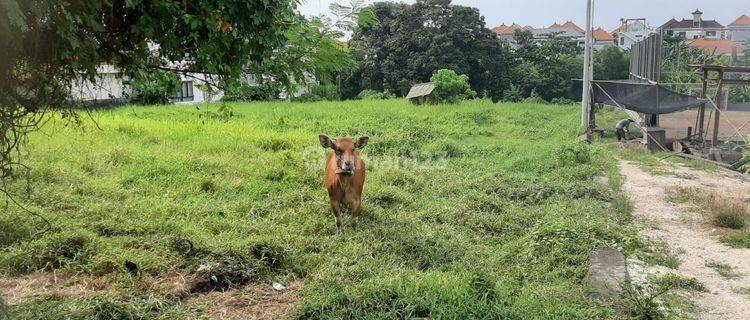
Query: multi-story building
[[631, 31], [694, 28]]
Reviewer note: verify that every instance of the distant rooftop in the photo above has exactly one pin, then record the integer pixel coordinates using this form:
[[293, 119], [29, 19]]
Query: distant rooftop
[[743, 20], [717, 46]]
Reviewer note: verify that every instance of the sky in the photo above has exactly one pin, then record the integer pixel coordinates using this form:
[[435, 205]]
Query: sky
[[607, 13]]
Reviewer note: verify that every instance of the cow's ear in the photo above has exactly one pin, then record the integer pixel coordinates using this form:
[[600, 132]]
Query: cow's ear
[[362, 142], [326, 142]]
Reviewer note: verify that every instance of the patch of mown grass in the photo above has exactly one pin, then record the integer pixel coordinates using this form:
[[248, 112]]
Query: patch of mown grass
[[456, 221]]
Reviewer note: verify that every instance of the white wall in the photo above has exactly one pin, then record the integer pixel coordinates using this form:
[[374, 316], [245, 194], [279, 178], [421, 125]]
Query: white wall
[[110, 86]]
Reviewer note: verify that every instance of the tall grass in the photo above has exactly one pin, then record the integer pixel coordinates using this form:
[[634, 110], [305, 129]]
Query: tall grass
[[474, 210]]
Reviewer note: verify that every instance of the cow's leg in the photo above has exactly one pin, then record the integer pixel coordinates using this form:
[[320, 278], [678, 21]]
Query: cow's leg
[[336, 208], [356, 209]]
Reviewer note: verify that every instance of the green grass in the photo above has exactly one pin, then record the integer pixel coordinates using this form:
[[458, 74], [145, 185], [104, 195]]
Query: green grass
[[740, 240], [674, 281], [475, 210], [724, 270]]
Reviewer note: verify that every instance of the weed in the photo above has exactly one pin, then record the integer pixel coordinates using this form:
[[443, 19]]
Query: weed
[[645, 301], [740, 240], [724, 212], [673, 281], [724, 270], [743, 291]]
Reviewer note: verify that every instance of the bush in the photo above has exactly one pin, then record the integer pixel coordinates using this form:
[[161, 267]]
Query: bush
[[326, 92], [513, 94], [729, 220], [375, 95], [451, 87], [154, 87], [238, 92], [562, 101], [534, 98]]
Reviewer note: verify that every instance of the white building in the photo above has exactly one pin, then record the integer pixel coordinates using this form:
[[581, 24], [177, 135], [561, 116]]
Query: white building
[[632, 31], [111, 87], [695, 28], [739, 31]]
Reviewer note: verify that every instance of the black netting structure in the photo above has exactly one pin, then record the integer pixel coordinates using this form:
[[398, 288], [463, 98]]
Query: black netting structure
[[642, 97]]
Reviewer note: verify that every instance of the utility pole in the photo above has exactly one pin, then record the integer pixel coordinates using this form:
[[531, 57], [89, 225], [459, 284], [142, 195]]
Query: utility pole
[[587, 67]]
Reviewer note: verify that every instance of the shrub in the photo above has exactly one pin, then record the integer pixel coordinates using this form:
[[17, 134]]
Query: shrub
[[326, 92], [375, 95], [729, 220], [154, 87], [534, 98], [562, 101], [451, 87], [237, 92], [513, 94]]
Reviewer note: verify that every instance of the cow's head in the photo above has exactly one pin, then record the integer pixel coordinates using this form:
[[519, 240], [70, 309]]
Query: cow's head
[[345, 149]]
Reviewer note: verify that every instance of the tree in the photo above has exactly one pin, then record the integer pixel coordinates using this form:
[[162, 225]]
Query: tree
[[548, 68], [411, 42], [49, 43], [310, 50], [451, 87], [611, 63]]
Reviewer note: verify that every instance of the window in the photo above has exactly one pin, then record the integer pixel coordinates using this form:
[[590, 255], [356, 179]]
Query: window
[[710, 33], [185, 93], [696, 36], [682, 34], [622, 41]]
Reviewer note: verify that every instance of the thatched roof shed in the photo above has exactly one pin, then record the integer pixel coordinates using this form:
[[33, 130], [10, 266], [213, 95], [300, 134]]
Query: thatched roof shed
[[419, 92]]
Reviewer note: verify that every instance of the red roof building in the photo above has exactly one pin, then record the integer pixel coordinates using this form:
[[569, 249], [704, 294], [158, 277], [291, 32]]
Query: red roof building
[[572, 26], [504, 30], [743, 20], [717, 46], [601, 35]]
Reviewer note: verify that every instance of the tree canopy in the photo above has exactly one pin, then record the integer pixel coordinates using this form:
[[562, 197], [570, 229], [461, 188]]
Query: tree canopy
[[411, 42], [49, 43]]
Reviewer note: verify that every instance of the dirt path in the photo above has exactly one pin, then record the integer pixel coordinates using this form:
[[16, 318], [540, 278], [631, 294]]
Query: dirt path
[[688, 234]]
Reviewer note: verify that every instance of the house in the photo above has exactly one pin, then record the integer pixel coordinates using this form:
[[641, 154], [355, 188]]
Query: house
[[506, 32], [543, 34], [631, 31], [694, 28], [739, 31], [111, 88], [721, 47], [603, 39]]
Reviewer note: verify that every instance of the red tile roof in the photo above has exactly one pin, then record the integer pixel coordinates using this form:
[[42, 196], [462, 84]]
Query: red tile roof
[[499, 28], [504, 30], [555, 26], [601, 35], [572, 26], [743, 20], [717, 46]]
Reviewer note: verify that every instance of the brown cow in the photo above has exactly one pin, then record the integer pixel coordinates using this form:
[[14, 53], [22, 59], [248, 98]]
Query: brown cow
[[345, 176]]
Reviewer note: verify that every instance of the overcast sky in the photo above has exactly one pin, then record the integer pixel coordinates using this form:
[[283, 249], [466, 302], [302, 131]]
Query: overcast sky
[[542, 13]]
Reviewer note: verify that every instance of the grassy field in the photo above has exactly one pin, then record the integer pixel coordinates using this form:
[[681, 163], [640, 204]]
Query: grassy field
[[476, 210]]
